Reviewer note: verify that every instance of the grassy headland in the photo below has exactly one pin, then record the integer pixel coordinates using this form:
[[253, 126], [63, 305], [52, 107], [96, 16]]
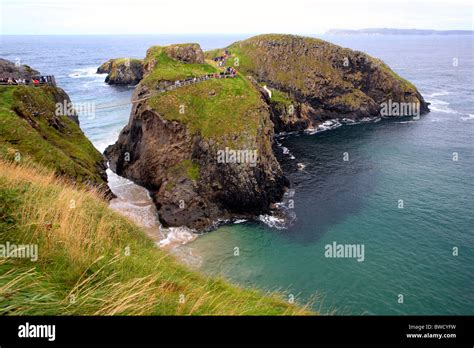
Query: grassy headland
[[30, 128]]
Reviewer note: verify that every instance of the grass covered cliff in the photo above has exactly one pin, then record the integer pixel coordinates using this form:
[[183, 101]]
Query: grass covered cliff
[[173, 139], [321, 81], [92, 261], [31, 130]]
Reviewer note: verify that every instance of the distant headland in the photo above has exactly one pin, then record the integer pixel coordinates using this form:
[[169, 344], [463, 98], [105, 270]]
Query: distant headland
[[392, 31]]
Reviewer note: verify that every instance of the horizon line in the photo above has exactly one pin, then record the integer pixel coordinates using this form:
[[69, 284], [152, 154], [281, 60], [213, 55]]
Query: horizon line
[[242, 33]]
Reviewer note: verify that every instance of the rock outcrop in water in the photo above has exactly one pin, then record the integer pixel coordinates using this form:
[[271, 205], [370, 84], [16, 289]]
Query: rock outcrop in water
[[193, 146], [122, 71]]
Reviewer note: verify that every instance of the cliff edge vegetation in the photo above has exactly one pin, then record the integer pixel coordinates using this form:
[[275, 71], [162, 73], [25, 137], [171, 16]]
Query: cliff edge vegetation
[[30, 130]]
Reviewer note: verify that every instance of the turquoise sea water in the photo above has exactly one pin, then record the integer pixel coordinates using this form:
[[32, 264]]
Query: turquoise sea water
[[408, 251]]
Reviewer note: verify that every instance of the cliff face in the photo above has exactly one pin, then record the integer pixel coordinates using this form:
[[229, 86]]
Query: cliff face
[[11, 70], [122, 71], [192, 146], [175, 144], [37, 127], [320, 81]]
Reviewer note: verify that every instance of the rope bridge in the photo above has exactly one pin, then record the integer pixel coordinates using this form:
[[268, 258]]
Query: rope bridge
[[230, 73], [49, 80]]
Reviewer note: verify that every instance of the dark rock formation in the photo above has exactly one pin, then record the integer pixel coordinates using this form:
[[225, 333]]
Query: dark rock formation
[[187, 53], [61, 97], [122, 71]]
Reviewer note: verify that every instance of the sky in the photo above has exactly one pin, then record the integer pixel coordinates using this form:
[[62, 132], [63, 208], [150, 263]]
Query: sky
[[81, 17]]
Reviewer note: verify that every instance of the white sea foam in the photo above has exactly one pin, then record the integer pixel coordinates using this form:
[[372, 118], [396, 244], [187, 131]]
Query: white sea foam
[[284, 134], [107, 140], [468, 117], [176, 236], [134, 202], [326, 125], [89, 72], [290, 193], [439, 105], [349, 121], [369, 119], [301, 166], [142, 213], [437, 94], [273, 221], [286, 151]]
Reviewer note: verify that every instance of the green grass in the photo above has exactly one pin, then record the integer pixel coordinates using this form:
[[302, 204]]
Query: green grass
[[93, 261], [355, 99], [128, 60], [281, 98], [217, 108], [29, 126], [250, 56], [406, 85], [168, 69], [186, 169], [120, 61]]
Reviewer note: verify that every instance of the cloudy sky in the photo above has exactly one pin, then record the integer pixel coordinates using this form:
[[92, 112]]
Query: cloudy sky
[[235, 16]]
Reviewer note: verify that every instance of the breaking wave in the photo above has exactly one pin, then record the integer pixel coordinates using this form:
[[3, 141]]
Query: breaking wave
[[86, 73]]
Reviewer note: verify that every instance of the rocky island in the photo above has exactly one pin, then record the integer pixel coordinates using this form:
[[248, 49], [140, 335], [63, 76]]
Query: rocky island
[[190, 108], [122, 71]]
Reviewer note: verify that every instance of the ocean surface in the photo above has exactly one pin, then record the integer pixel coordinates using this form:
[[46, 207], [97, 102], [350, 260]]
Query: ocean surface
[[405, 194]]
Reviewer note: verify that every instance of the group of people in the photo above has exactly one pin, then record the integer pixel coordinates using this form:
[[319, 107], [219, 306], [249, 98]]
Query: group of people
[[220, 60], [229, 72], [12, 81]]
